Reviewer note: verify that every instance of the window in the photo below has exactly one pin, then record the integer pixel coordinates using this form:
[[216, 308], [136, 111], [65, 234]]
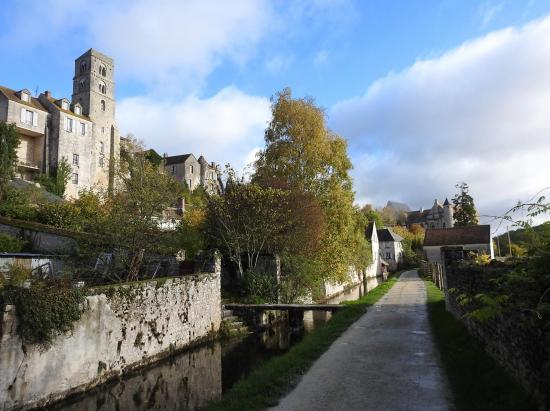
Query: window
[[388, 255], [69, 124], [102, 130], [78, 110], [76, 159], [189, 184], [101, 147], [83, 129], [102, 105], [75, 178], [102, 70], [29, 117], [82, 66], [102, 88], [25, 97], [101, 161], [65, 105], [191, 169], [173, 169], [81, 84]]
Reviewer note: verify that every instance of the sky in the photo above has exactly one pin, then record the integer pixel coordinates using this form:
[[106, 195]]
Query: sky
[[427, 93]]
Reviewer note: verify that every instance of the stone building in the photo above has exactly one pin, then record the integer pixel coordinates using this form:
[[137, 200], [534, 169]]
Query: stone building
[[390, 246], [439, 216], [82, 130], [30, 118], [187, 169]]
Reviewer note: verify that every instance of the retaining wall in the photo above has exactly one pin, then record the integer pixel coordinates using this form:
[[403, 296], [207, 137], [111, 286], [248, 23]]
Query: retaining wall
[[119, 332], [512, 339]]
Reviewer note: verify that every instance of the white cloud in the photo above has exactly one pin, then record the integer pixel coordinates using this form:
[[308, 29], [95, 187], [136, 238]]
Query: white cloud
[[478, 113], [226, 127]]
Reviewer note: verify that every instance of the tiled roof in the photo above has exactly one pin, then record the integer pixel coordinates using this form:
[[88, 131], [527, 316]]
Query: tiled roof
[[476, 234], [54, 100], [397, 206], [177, 159], [11, 95], [386, 234]]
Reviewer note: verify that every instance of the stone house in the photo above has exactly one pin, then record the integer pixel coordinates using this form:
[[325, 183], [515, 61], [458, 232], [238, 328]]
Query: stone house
[[82, 130], [444, 245], [187, 169], [390, 246], [439, 216], [30, 118]]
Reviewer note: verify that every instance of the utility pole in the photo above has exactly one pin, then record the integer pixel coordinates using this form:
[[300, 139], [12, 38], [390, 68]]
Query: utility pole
[[509, 241], [498, 245]]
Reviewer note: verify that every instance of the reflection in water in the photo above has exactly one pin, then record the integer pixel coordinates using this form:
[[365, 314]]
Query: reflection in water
[[190, 380]]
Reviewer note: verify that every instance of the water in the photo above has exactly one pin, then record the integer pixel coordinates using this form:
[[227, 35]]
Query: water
[[190, 380]]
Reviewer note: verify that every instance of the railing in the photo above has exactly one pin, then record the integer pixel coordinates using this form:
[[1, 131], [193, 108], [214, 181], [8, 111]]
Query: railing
[[30, 164]]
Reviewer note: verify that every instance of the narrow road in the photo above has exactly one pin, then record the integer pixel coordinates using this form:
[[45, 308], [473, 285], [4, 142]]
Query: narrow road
[[385, 361]]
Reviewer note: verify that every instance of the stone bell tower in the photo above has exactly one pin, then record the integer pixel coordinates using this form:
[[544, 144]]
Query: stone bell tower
[[94, 89]]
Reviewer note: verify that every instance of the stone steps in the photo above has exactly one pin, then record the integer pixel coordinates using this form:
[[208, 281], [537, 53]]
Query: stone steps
[[234, 326]]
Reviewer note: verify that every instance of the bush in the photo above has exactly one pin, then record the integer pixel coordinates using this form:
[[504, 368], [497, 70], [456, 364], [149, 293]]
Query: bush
[[10, 244], [17, 204], [261, 288], [45, 309]]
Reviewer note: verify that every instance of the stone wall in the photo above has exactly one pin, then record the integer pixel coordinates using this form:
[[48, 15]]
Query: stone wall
[[511, 339], [125, 327]]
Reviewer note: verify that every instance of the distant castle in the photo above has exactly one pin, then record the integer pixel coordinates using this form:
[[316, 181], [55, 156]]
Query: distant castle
[[83, 131], [439, 216]]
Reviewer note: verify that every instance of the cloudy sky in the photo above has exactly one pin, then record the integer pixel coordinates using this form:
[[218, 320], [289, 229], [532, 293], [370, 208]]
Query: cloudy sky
[[427, 93]]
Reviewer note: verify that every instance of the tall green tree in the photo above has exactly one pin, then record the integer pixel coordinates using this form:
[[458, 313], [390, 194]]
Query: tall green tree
[[302, 154], [465, 213], [9, 142]]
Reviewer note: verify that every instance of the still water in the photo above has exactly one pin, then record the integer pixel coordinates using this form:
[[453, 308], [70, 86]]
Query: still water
[[190, 380]]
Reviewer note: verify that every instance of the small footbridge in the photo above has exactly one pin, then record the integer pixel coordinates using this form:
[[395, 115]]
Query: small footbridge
[[295, 311]]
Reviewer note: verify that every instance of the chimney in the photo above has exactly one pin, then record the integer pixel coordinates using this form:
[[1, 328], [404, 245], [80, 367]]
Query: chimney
[[48, 94]]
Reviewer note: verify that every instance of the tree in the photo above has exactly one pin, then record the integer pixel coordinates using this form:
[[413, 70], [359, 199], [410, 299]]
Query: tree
[[373, 215], [9, 142], [302, 154], [465, 213], [246, 221]]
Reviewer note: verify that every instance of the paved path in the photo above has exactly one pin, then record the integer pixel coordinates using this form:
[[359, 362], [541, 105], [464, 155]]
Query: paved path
[[385, 361]]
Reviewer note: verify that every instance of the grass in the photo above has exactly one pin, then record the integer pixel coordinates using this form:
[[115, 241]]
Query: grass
[[264, 386], [477, 382]]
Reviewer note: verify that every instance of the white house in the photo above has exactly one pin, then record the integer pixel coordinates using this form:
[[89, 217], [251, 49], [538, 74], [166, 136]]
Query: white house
[[390, 246]]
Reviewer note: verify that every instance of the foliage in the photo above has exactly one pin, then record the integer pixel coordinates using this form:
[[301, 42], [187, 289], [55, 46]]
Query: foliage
[[20, 204], [191, 233], [260, 287], [264, 386], [476, 381], [413, 241], [45, 309], [301, 154], [299, 278], [373, 215], [465, 213], [56, 181], [9, 244], [9, 142], [246, 220]]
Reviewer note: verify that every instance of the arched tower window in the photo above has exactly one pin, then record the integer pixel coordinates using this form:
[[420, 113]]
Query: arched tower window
[[81, 84], [102, 105], [102, 70], [82, 66], [102, 88]]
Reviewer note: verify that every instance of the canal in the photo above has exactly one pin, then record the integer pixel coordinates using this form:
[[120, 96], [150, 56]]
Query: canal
[[191, 379]]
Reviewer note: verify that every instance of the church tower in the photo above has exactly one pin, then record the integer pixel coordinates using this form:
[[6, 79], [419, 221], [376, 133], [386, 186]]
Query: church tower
[[448, 219], [94, 89]]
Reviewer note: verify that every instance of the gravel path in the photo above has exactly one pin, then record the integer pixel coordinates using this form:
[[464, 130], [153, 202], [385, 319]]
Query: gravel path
[[385, 361]]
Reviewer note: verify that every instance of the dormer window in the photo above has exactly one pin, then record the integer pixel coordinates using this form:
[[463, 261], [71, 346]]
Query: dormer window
[[65, 105], [78, 110], [25, 96]]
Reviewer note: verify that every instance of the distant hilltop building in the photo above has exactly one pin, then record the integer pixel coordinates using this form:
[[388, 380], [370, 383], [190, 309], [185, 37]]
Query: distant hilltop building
[[187, 169], [82, 130], [439, 216]]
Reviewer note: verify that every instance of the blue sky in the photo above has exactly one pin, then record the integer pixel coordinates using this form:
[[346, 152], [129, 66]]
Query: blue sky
[[427, 93]]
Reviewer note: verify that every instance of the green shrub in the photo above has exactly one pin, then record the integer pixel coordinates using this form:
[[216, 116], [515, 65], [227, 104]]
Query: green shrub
[[9, 244], [260, 287], [17, 204], [45, 309]]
